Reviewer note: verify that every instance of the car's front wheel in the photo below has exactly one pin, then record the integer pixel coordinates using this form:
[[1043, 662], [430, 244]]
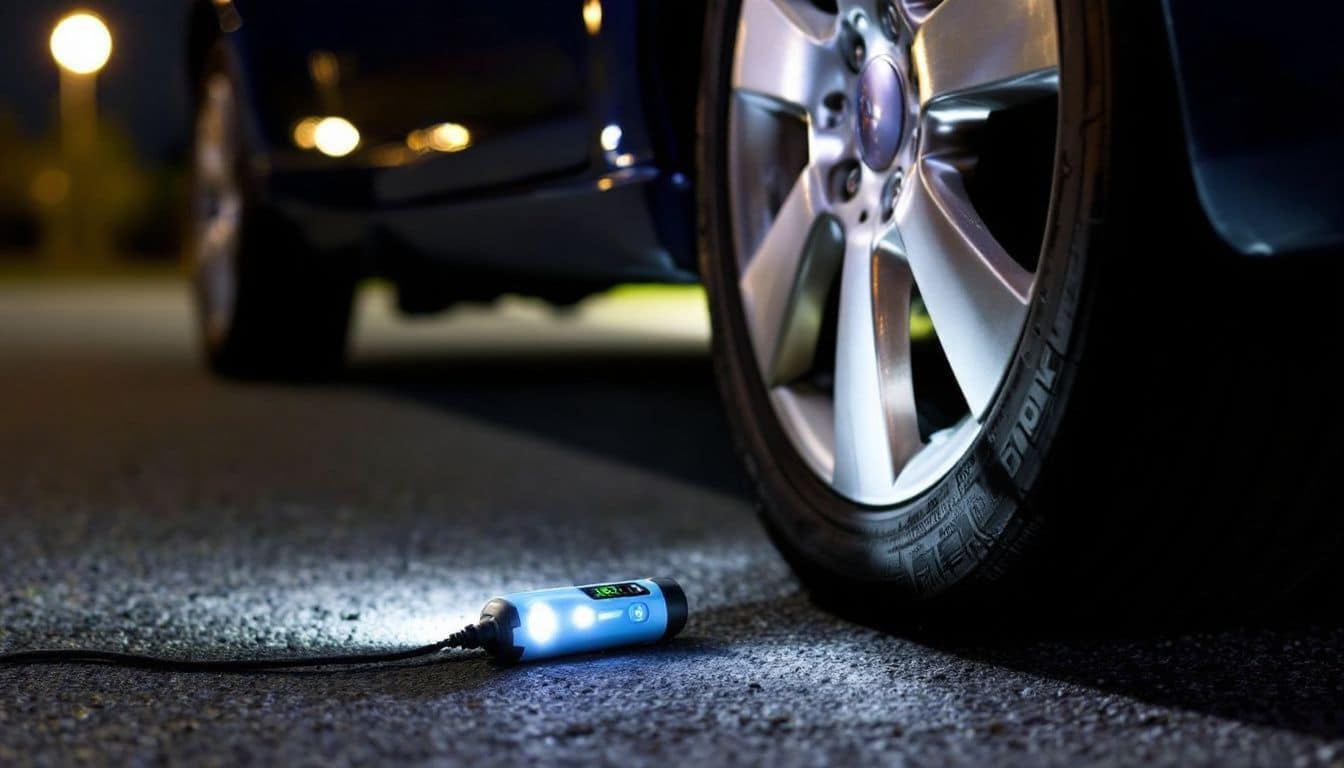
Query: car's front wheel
[[954, 263]]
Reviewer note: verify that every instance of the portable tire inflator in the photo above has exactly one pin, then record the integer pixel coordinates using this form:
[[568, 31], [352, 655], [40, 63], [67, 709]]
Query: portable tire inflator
[[521, 626]]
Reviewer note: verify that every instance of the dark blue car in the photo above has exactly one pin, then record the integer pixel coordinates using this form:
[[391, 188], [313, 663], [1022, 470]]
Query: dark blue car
[[1012, 299]]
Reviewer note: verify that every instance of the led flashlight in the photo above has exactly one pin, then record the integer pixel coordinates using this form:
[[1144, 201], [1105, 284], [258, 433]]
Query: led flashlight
[[526, 626], [523, 626]]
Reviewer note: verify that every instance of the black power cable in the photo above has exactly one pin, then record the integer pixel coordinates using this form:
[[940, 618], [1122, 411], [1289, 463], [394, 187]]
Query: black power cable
[[470, 637]]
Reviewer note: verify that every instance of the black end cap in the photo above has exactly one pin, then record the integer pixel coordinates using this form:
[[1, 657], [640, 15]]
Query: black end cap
[[677, 609], [505, 618]]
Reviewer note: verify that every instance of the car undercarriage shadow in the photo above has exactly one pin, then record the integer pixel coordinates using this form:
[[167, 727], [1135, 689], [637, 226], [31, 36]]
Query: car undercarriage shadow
[[1273, 672], [660, 412]]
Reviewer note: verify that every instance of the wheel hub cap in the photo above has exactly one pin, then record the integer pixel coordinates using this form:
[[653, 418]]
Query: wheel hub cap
[[881, 122]]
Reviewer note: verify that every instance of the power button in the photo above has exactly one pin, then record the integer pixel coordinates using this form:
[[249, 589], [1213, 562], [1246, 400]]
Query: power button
[[638, 612]]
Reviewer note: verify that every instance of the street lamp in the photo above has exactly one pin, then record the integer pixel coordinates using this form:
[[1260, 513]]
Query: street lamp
[[81, 45]]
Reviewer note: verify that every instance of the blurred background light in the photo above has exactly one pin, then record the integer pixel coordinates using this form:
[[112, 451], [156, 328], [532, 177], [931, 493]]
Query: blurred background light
[[50, 186], [335, 136], [324, 68], [592, 16], [305, 133], [449, 137], [444, 137], [81, 43], [611, 137]]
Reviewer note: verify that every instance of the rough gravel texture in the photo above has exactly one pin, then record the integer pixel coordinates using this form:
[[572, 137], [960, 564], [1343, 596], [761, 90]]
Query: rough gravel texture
[[144, 506]]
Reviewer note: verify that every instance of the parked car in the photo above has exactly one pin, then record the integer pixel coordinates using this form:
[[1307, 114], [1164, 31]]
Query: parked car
[[1010, 298]]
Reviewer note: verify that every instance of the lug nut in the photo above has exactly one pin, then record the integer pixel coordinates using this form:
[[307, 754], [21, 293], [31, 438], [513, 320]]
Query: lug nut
[[846, 178], [889, 192], [836, 105], [854, 49]]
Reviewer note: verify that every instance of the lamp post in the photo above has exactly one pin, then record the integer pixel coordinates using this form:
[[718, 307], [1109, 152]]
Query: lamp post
[[81, 45]]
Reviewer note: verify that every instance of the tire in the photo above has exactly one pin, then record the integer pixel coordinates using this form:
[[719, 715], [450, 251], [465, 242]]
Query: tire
[[1117, 467], [267, 305]]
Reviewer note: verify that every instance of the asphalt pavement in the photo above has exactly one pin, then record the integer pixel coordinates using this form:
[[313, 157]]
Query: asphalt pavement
[[145, 506]]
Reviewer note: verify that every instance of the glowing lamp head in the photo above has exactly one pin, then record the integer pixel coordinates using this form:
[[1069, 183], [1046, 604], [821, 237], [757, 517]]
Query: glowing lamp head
[[81, 43], [583, 617], [541, 623]]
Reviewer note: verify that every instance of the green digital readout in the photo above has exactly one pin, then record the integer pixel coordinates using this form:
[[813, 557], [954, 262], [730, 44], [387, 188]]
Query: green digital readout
[[608, 591]]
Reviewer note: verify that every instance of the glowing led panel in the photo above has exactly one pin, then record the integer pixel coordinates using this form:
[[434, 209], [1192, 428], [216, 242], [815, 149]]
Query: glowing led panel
[[541, 623], [583, 617]]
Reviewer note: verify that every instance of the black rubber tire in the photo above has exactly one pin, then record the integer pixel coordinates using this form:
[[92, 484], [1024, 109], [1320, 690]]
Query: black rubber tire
[[292, 308], [1163, 437]]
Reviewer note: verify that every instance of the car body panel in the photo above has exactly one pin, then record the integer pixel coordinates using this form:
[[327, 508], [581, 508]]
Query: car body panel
[[537, 87], [416, 64], [1260, 88]]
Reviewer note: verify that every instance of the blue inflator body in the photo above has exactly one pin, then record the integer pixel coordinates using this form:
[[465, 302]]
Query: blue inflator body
[[553, 622]]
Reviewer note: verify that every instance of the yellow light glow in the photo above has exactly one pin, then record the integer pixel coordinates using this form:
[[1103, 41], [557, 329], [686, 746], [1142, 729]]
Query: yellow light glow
[[444, 137], [324, 68], [305, 133], [390, 155], [50, 186], [921, 325], [81, 43], [592, 16], [449, 137], [335, 136], [605, 183]]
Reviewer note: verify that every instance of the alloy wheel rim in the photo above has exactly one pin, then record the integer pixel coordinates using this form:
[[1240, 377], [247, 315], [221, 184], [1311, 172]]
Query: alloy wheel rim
[[832, 253], [217, 206]]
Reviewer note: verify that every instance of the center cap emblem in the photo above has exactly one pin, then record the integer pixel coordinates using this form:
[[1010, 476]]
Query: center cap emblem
[[881, 113]]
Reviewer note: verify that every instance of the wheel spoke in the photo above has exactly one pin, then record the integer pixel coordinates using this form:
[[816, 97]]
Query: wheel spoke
[[987, 51], [782, 53], [780, 283], [975, 293], [875, 427], [891, 311]]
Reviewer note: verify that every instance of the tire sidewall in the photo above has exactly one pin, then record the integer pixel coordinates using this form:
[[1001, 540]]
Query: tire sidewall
[[220, 60], [970, 525]]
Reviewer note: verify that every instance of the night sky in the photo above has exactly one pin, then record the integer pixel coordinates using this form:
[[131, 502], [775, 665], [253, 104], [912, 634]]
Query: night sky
[[143, 86]]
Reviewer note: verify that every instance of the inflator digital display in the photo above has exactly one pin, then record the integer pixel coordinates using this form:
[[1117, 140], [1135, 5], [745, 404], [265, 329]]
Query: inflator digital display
[[608, 591]]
